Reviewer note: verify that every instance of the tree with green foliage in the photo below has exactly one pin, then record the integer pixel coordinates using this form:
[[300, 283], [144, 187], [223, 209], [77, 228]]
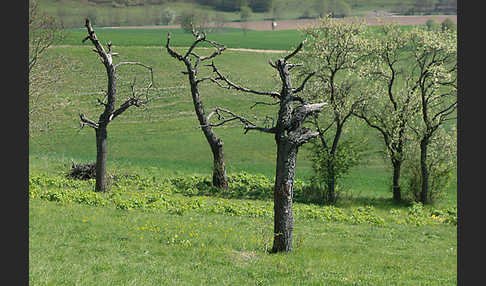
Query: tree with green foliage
[[441, 165], [245, 14], [108, 102], [167, 16], [433, 81], [336, 51], [261, 5], [389, 104]]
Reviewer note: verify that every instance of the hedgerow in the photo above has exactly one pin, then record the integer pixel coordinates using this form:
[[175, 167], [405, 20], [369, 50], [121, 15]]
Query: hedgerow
[[179, 195]]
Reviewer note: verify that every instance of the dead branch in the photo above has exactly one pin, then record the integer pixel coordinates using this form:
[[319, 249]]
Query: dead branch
[[233, 116], [299, 47], [301, 87], [264, 103], [237, 87], [87, 121], [99, 48]]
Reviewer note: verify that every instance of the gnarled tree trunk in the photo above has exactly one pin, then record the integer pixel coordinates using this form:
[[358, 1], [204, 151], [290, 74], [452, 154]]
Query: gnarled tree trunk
[[220, 179], [289, 135], [109, 112], [283, 195]]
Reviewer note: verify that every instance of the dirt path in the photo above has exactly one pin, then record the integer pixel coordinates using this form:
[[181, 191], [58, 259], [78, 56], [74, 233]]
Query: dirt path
[[295, 24]]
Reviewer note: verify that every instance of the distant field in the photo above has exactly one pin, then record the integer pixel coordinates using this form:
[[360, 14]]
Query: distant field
[[157, 36], [231, 37]]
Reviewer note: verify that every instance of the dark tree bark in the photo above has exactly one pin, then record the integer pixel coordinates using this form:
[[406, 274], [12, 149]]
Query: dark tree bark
[[109, 112], [289, 136], [101, 156], [395, 148], [220, 179], [283, 195], [436, 87], [397, 193], [424, 193]]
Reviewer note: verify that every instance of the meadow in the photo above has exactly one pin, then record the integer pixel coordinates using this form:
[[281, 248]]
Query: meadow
[[231, 37], [152, 230]]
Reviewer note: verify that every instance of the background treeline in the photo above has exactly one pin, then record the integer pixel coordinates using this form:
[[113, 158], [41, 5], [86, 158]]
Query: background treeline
[[164, 12]]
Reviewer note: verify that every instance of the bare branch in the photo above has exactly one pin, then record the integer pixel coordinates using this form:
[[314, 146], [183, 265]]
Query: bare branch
[[87, 121], [197, 41], [446, 111], [264, 103], [301, 87], [171, 52], [310, 108], [214, 54], [299, 47], [237, 87], [99, 48], [248, 124], [272, 130], [291, 66], [272, 64]]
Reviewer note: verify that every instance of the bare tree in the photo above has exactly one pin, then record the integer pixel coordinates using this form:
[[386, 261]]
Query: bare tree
[[109, 102], [220, 179], [289, 134]]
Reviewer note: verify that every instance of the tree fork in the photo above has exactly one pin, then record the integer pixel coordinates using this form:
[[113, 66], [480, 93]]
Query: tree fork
[[289, 135], [110, 112], [220, 179]]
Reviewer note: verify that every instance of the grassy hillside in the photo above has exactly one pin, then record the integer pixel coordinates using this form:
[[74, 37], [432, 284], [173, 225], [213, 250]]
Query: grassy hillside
[[164, 139], [162, 225], [88, 245], [153, 232]]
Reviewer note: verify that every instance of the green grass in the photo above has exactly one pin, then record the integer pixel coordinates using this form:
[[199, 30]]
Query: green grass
[[219, 243], [83, 245], [165, 139], [230, 37]]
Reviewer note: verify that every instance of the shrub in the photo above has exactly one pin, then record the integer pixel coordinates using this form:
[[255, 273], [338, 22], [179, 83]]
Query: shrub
[[167, 16], [431, 25], [441, 159], [200, 21], [82, 171], [448, 25], [348, 154]]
